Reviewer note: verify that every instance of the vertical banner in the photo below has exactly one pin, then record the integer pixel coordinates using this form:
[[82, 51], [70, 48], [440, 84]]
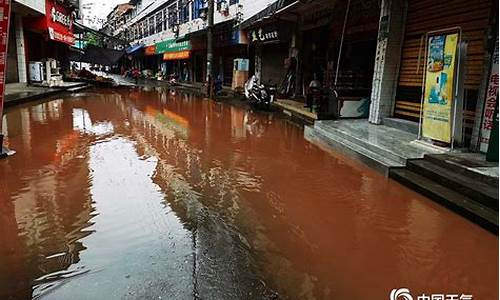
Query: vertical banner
[[491, 102], [4, 39], [439, 87]]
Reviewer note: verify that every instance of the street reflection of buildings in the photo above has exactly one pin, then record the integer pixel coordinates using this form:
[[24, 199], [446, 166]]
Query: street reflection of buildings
[[48, 187], [243, 174], [204, 198]]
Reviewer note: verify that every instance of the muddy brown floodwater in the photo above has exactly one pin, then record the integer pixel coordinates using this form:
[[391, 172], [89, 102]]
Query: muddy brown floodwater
[[148, 194]]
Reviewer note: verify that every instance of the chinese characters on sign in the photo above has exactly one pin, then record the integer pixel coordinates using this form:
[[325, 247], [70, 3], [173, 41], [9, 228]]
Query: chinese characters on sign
[[491, 102], [260, 35], [264, 35], [59, 23], [4, 32]]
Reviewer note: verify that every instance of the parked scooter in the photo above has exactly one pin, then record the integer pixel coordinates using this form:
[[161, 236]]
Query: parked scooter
[[259, 96]]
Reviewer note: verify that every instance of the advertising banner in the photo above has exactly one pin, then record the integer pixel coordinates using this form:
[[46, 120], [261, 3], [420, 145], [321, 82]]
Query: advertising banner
[[4, 31], [490, 103], [439, 87]]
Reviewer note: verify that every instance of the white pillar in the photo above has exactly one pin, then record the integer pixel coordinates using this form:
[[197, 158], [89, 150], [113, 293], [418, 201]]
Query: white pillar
[[21, 54], [386, 70]]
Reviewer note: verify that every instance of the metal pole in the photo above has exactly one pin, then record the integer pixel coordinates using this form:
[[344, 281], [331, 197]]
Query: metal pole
[[342, 42], [210, 49], [457, 88]]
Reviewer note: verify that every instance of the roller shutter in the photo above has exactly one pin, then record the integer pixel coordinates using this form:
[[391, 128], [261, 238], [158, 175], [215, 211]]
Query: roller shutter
[[429, 15]]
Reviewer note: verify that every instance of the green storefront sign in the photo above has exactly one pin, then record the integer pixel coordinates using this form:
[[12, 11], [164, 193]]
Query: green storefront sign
[[172, 46]]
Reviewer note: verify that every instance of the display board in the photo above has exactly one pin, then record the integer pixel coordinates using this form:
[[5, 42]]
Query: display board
[[439, 87]]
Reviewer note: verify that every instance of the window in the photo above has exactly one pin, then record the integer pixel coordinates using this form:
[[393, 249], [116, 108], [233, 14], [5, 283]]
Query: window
[[196, 8], [151, 25], [144, 25], [135, 34], [165, 19], [172, 16], [159, 21], [183, 12]]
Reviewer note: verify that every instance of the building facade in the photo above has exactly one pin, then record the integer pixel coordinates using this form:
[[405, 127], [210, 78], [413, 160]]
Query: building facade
[[39, 30], [372, 52], [169, 36]]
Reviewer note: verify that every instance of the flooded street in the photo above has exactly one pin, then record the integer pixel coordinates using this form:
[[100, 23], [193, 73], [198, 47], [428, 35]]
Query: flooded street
[[152, 194]]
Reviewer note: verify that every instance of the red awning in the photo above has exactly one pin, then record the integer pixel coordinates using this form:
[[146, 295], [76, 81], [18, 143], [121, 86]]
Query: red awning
[[58, 22]]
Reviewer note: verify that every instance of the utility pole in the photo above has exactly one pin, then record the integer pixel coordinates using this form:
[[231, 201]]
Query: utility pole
[[210, 49]]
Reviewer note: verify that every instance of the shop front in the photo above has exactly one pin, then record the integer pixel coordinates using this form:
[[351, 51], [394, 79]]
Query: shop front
[[176, 59], [229, 44], [317, 47], [49, 37], [345, 60], [427, 30], [151, 61], [270, 46]]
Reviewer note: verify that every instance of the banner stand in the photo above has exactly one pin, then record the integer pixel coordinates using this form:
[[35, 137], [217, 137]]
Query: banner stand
[[4, 31], [436, 91]]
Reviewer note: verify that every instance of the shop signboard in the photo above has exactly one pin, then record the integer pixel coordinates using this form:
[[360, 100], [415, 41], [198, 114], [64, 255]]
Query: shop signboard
[[266, 34], [172, 46], [150, 50], [59, 23], [177, 55], [490, 103], [439, 91], [4, 31]]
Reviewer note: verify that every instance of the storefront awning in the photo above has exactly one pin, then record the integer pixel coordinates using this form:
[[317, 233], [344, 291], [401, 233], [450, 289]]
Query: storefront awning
[[75, 54], [134, 48], [267, 12], [101, 56], [224, 34]]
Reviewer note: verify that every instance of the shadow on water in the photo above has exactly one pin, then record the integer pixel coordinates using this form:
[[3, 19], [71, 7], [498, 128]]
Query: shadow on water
[[147, 193]]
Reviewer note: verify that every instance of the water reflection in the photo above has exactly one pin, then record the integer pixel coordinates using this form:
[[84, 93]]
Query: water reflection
[[147, 193]]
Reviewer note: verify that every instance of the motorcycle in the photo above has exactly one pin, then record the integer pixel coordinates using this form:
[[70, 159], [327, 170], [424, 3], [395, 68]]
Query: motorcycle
[[260, 96]]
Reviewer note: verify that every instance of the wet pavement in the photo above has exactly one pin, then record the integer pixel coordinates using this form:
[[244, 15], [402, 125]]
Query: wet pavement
[[152, 194]]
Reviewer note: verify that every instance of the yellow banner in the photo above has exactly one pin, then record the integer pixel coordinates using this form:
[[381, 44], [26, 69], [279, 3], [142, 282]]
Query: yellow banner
[[177, 55], [439, 87]]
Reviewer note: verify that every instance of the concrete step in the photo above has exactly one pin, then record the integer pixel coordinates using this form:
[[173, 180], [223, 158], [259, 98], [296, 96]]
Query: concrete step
[[332, 132], [454, 164], [402, 124], [77, 88], [470, 187], [456, 201], [379, 162]]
